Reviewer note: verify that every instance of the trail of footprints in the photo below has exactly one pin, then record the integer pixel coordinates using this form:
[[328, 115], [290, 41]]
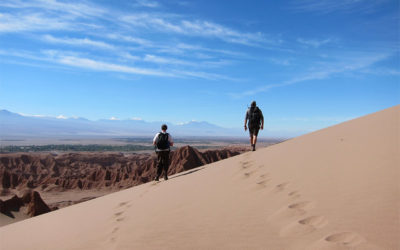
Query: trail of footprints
[[118, 217], [308, 223]]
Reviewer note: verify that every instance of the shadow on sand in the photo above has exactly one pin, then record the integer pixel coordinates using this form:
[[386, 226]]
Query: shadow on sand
[[186, 173]]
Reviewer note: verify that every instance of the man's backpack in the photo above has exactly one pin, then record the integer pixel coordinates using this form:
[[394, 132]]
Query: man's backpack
[[162, 141], [255, 116]]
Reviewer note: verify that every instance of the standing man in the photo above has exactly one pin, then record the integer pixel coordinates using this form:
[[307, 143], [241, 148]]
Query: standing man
[[255, 118], [162, 141]]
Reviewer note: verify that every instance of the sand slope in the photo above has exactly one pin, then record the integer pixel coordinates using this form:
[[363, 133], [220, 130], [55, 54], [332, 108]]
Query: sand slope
[[337, 188]]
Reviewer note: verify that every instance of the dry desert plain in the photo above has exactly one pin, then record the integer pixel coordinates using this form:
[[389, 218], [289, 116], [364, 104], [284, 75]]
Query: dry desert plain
[[336, 188]]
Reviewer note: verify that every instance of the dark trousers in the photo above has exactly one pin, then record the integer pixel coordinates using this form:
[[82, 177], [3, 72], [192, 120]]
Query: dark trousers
[[162, 162]]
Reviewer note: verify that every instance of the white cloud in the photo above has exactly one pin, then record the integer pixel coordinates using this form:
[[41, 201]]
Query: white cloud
[[82, 62], [345, 64], [62, 117], [136, 119], [78, 42], [147, 3], [75, 59], [174, 24], [114, 118], [280, 61], [191, 47], [129, 56], [105, 66], [131, 39], [46, 15], [12, 23], [329, 6], [166, 60], [382, 71], [30, 115], [314, 42], [74, 9]]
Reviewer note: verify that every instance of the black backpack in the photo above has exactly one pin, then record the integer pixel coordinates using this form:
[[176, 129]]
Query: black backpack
[[255, 116], [162, 141]]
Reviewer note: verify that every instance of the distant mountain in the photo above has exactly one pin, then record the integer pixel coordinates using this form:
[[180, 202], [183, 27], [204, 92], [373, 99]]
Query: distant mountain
[[13, 124]]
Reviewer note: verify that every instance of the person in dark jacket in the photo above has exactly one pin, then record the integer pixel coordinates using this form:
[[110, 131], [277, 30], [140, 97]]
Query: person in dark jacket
[[255, 119], [163, 141]]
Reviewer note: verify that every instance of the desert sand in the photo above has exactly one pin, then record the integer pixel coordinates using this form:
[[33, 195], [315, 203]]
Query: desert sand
[[336, 188], [70, 178]]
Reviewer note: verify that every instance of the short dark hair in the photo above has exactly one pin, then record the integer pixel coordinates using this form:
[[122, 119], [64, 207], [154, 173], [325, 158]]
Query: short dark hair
[[253, 103], [164, 127]]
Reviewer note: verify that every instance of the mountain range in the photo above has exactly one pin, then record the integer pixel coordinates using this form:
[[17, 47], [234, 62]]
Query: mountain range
[[14, 124]]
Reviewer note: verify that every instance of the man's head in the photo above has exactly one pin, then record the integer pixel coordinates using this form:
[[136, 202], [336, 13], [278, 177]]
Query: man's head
[[164, 127], [253, 104]]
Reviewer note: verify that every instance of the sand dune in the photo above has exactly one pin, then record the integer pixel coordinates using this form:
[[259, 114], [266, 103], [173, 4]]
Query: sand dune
[[337, 188]]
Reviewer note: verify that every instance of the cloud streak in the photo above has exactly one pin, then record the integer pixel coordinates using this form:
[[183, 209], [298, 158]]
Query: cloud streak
[[324, 72], [314, 42], [14, 23], [201, 28], [78, 42], [329, 6]]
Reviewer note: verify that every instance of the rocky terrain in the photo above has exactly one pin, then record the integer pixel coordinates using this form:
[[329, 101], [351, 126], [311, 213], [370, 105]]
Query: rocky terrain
[[80, 172], [31, 201], [95, 170]]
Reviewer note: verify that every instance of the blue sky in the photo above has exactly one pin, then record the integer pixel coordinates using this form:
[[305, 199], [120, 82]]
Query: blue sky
[[308, 63]]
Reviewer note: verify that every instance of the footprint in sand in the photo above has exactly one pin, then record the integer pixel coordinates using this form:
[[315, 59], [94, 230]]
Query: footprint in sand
[[123, 203], [263, 180], [281, 186], [118, 214], [342, 240], [292, 210], [345, 238], [264, 175], [304, 226], [262, 183], [248, 174], [246, 164], [314, 221], [294, 195], [304, 205]]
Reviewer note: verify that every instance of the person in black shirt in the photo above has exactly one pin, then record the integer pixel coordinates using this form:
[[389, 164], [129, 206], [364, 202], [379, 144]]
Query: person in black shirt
[[163, 141], [255, 120]]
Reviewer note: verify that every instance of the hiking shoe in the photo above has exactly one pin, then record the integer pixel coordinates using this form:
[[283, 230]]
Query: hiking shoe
[[254, 147], [156, 179], [165, 177]]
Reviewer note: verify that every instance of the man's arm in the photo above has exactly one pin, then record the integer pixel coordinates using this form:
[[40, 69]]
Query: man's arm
[[262, 120], [245, 120], [155, 138], [171, 142], [262, 123]]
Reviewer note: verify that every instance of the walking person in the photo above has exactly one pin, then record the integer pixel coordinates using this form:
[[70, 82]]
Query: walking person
[[255, 119], [162, 142]]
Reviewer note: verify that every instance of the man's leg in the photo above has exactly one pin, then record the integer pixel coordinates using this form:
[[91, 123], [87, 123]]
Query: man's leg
[[251, 136], [254, 142], [166, 164], [159, 165], [255, 138]]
